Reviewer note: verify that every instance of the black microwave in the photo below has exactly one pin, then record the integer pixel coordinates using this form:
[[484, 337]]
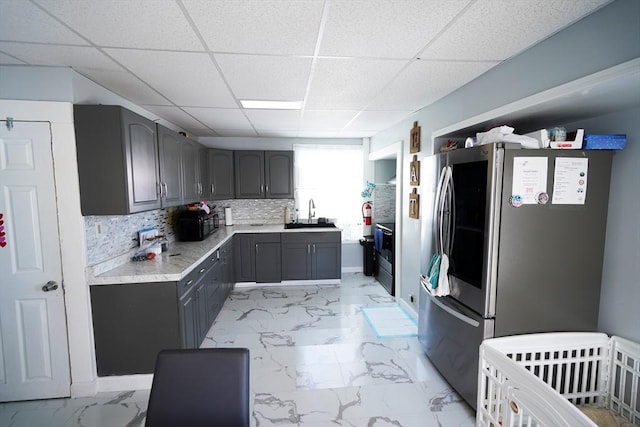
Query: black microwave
[[195, 225]]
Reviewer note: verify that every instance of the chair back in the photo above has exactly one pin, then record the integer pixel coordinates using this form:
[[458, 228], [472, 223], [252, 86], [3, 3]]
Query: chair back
[[200, 387]]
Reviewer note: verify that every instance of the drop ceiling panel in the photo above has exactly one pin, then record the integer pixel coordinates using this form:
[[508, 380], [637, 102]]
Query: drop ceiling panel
[[274, 119], [383, 28], [368, 123], [186, 78], [499, 29], [325, 119], [287, 27], [245, 132], [6, 59], [134, 23], [23, 21], [266, 77], [424, 82], [349, 84], [125, 85], [176, 115], [71, 56], [221, 118]]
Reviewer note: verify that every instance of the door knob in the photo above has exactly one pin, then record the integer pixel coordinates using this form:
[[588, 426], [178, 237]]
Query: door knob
[[50, 286]]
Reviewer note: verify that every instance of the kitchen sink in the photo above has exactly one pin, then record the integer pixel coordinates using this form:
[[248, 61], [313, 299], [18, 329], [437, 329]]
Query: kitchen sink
[[312, 225]]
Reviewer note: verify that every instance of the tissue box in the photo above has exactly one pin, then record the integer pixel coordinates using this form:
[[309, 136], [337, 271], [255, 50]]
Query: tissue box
[[605, 142]]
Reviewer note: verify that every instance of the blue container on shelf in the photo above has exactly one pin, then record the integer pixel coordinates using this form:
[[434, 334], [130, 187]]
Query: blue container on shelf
[[604, 142]]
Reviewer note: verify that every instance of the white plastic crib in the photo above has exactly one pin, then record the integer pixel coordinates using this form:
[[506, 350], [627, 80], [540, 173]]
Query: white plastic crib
[[540, 379]]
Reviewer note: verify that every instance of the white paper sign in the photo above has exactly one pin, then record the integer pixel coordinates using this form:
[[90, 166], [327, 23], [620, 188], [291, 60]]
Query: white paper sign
[[570, 181], [529, 179]]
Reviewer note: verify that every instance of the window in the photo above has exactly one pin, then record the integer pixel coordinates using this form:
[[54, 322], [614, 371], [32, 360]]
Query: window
[[332, 176]]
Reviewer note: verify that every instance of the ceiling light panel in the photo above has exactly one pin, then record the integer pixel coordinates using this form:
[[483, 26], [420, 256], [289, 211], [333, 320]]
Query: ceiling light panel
[[349, 84], [18, 18], [507, 27], [160, 24], [283, 27], [187, 79], [265, 77], [383, 28]]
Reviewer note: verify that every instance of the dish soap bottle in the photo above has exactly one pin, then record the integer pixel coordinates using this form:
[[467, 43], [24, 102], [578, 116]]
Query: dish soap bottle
[[297, 215]]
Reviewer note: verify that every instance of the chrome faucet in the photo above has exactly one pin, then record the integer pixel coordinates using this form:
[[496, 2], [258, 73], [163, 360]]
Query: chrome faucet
[[312, 207]]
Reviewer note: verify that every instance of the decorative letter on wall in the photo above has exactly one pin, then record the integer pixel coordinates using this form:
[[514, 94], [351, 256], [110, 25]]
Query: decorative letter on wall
[[415, 138], [414, 171], [414, 204]]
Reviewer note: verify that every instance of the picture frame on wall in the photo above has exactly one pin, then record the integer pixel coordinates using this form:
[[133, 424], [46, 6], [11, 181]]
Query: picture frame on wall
[[414, 171], [414, 204], [414, 138]]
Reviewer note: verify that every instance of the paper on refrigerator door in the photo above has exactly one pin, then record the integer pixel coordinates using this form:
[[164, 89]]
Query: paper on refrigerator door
[[570, 181], [529, 179]]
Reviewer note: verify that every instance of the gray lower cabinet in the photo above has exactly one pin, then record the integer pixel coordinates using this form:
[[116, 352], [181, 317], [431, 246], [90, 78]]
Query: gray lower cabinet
[[221, 174], [118, 164], [133, 322], [311, 256], [257, 258]]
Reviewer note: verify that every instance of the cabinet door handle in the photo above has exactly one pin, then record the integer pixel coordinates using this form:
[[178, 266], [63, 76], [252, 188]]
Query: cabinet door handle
[[212, 189], [308, 248], [202, 270], [164, 186], [189, 282], [267, 187], [314, 248]]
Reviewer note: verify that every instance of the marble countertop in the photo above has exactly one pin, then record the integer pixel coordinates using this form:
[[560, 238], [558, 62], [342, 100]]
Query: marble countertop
[[182, 257]]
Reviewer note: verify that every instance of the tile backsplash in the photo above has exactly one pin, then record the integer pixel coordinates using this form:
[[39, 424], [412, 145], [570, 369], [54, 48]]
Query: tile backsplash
[[119, 233]]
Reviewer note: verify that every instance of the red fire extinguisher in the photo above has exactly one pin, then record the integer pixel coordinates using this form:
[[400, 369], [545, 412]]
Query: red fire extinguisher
[[366, 213]]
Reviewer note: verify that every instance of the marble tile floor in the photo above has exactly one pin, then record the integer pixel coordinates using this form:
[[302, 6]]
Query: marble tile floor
[[315, 362]]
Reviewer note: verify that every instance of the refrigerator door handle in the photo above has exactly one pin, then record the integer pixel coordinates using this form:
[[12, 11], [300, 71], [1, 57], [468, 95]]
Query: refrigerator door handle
[[446, 184], [448, 309], [437, 227]]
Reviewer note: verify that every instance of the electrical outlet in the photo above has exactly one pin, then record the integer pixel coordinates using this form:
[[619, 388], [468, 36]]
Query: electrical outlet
[[98, 228]]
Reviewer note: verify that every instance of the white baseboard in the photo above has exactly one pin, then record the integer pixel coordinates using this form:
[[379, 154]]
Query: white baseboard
[[125, 383], [84, 389], [357, 269], [408, 308], [289, 283]]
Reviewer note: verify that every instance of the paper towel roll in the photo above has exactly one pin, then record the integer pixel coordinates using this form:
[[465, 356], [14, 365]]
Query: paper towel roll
[[228, 217]]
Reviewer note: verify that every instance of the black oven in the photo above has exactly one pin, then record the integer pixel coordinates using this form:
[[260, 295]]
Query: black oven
[[195, 225], [384, 245]]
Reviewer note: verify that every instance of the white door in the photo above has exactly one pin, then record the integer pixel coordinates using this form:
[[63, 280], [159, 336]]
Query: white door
[[34, 358]]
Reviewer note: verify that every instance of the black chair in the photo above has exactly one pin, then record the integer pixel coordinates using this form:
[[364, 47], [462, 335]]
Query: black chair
[[200, 387]]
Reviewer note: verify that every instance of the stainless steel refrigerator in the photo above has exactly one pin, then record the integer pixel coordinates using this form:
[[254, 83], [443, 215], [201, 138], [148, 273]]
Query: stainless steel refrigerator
[[524, 232]]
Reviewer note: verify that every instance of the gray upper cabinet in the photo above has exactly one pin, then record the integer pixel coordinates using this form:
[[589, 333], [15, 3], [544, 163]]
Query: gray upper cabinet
[[264, 174], [221, 176], [203, 169], [249, 168], [191, 187], [117, 160], [278, 169], [169, 147]]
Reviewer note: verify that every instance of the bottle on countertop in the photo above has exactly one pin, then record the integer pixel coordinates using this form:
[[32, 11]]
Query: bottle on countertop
[[287, 215], [297, 215]]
